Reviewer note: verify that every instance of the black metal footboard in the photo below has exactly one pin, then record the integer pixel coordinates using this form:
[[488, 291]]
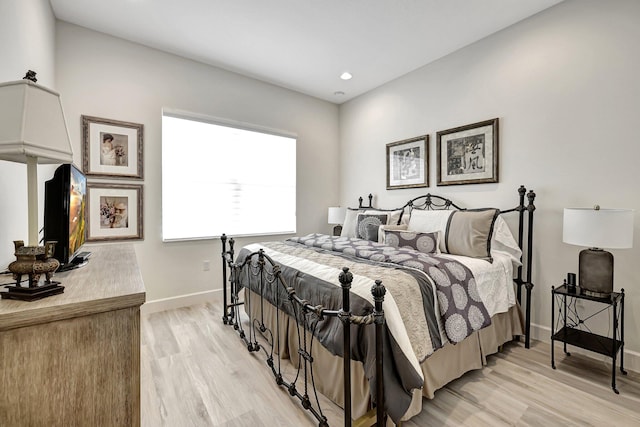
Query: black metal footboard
[[268, 278]]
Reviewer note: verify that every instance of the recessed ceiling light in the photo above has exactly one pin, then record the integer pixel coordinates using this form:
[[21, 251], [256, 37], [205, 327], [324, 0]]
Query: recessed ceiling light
[[338, 92], [346, 76]]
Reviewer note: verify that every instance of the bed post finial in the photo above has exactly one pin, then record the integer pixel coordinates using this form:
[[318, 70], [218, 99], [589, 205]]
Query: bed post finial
[[531, 197], [345, 278], [522, 190], [378, 291]]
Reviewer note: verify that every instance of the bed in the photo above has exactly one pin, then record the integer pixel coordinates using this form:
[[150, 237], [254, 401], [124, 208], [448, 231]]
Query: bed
[[435, 279]]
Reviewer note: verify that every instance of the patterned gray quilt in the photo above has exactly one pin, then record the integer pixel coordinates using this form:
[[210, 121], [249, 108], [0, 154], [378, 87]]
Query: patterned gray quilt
[[460, 303], [418, 285]]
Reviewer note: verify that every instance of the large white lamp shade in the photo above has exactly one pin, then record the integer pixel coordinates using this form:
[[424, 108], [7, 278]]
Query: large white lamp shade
[[598, 228], [33, 130]]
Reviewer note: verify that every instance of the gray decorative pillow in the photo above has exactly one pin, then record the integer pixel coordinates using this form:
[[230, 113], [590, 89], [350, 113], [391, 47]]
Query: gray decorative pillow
[[394, 215], [368, 225], [469, 233], [422, 242]]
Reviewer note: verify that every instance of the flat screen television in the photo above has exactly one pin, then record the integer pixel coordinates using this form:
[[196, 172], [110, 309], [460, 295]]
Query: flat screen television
[[65, 198]]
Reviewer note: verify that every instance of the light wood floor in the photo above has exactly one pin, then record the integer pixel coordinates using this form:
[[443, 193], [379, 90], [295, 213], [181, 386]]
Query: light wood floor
[[197, 372]]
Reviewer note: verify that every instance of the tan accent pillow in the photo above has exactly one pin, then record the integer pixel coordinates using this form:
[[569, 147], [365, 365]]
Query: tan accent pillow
[[469, 233]]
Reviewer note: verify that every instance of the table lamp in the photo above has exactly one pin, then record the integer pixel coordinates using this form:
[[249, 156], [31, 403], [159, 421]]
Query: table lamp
[[336, 217], [597, 228], [33, 130]]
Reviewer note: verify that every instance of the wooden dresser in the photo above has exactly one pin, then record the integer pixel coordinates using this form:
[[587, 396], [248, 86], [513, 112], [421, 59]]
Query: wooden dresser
[[74, 359]]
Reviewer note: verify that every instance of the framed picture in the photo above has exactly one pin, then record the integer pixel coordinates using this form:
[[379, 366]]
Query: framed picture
[[407, 163], [468, 154], [114, 212], [111, 148]]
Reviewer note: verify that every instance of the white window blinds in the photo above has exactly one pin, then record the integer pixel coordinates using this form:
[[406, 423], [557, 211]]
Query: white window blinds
[[225, 178]]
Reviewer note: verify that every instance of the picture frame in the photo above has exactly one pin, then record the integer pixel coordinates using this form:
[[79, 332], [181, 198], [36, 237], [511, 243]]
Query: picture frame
[[114, 212], [112, 148], [408, 163], [468, 154]]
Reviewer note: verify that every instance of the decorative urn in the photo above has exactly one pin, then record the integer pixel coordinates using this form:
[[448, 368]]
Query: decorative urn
[[34, 261]]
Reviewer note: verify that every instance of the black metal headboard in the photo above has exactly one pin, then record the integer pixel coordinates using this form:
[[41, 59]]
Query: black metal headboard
[[525, 239], [428, 202]]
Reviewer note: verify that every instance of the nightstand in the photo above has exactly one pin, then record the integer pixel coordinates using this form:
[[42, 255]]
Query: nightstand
[[572, 329]]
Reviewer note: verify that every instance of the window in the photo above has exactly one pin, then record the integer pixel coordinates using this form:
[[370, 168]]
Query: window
[[220, 177]]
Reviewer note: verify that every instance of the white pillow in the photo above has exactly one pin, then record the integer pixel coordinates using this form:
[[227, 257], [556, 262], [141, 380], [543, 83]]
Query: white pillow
[[350, 223], [427, 221], [503, 242]]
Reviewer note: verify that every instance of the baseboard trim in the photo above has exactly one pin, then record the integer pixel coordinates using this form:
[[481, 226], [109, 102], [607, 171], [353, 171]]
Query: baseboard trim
[[631, 358], [178, 302]]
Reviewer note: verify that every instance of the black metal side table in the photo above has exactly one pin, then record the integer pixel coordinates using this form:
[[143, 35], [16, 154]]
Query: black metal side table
[[572, 329]]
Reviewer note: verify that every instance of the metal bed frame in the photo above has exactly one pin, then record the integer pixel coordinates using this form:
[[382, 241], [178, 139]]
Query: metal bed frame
[[267, 272]]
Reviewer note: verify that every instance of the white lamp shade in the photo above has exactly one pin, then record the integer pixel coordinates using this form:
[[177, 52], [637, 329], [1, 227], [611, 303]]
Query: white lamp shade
[[336, 215], [603, 228], [32, 124]]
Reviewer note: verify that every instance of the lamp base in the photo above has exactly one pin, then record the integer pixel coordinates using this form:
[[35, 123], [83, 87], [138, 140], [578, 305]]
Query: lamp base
[[337, 230], [596, 272]]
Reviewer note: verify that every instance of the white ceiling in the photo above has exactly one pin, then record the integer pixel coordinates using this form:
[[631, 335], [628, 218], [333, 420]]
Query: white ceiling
[[304, 45]]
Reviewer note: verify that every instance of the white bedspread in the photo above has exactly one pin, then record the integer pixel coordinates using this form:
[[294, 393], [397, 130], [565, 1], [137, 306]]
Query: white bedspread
[[494, 280]]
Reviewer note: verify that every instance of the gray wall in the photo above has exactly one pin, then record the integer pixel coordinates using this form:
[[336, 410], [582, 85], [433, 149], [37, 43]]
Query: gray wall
[[108, 77], [564, 84]]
